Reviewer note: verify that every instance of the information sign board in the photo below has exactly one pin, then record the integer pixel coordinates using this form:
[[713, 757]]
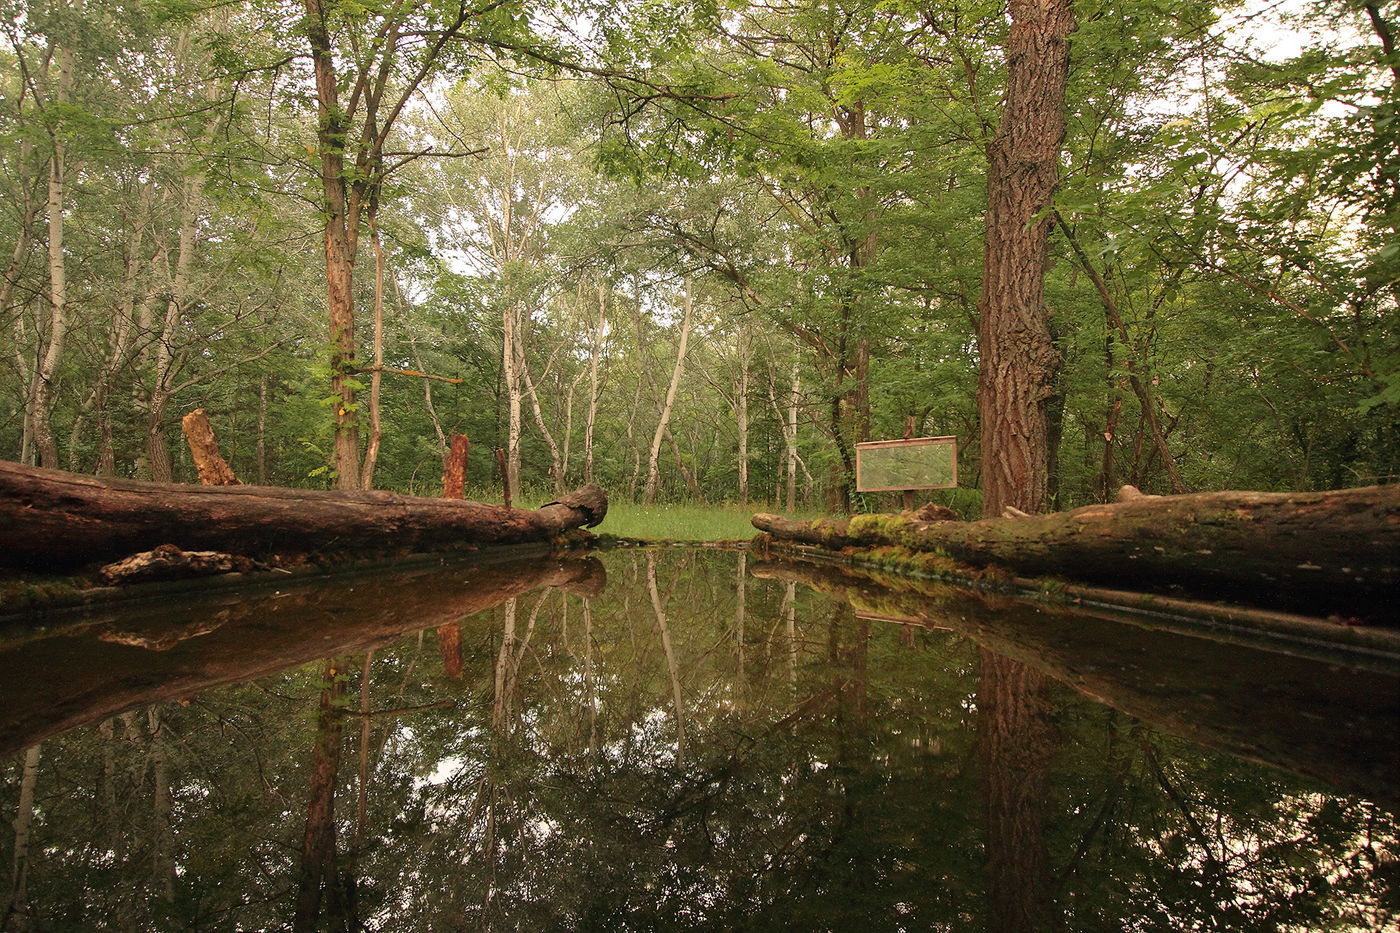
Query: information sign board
[[911, 463]]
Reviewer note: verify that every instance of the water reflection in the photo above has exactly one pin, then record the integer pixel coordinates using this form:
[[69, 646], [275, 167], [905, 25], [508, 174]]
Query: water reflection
[[707, 743]]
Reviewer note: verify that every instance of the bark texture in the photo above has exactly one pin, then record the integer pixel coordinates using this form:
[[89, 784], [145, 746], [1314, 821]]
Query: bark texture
[[1324, 551], [1019, 362], [213, 469], [454, 468], [55, 520]]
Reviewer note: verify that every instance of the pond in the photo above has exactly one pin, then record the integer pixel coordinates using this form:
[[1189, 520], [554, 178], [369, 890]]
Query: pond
[[684, 739]]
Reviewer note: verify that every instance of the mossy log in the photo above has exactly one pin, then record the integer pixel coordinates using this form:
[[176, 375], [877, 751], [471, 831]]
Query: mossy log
[[52, 520], [1326, 552]]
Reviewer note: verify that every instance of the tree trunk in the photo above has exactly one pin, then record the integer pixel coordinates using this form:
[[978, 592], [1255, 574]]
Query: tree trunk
[[376, 430], [56, 520], [511, 360], [556, 458], [341, 233], [653, 466], [261, 455], [595, 350], [790, 436], [1019, 363], [454, 471], [741, 413], [46, 386], [1325, 551]]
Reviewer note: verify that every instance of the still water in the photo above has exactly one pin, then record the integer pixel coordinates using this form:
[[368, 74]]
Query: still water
[[683, 739]]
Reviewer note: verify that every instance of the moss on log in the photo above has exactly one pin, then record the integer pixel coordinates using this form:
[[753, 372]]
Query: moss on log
[[1328, 552]]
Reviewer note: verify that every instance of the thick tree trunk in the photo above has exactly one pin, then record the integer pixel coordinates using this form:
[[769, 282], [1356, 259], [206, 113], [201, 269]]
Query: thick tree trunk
[[57, 520], [1019, 362], [511, 360], [1323, 551]]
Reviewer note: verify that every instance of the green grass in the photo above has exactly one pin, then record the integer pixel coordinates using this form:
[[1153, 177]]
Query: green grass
[[663, 521], [679, 522]]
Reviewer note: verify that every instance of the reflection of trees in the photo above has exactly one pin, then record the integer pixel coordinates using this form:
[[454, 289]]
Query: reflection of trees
[[837, 784]]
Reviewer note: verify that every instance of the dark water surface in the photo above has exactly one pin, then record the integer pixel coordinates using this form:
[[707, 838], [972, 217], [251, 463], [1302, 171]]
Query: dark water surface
[[683, 739]]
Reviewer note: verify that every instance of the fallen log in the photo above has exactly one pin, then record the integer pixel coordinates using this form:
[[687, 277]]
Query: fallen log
[[1326, 552], [52, 520]]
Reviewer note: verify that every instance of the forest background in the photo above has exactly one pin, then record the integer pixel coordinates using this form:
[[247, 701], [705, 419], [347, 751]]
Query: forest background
[[691, 251]]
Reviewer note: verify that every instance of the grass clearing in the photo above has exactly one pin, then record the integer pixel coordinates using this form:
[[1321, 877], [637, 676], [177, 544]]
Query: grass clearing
[[662, 521], [676, 522]]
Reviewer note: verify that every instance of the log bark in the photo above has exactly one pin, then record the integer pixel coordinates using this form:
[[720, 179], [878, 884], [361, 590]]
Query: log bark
[[1324, 552], [55, 520]]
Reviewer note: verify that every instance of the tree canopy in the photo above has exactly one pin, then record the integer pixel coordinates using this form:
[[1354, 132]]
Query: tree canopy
[[694, 250]]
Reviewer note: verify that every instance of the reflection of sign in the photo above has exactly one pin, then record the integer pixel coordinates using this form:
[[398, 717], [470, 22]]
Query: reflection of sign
[[914, 463], [903, 620]]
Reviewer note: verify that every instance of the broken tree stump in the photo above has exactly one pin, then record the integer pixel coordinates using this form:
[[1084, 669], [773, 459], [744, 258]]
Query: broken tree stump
[[454, 468], [199, 434]]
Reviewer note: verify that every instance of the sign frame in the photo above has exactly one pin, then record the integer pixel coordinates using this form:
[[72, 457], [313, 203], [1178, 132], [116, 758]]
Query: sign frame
[[941, 441]]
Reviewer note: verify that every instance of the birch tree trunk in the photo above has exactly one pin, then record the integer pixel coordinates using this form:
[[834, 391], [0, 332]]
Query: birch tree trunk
[[45, 386], [594, 352], [555, 457], [653, 465], [510, 369], [742, 414]]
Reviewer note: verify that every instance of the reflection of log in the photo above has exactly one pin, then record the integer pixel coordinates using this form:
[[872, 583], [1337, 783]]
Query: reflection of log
[[1332, 551], [1308, 716], [58, 520], [235, 634]]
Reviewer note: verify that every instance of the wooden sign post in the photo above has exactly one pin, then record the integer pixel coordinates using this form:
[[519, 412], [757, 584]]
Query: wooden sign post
[[908, 464]]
